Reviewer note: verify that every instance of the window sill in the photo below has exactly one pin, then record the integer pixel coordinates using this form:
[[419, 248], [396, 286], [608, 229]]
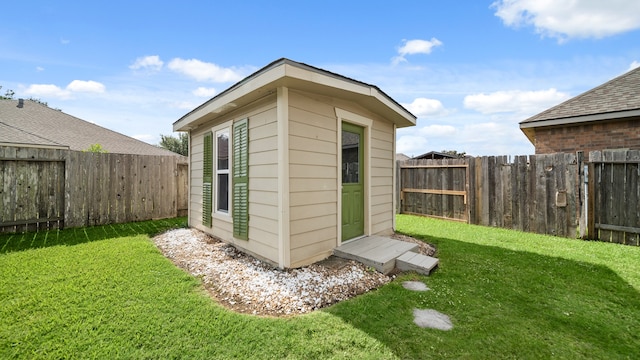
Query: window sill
[[223, 217]]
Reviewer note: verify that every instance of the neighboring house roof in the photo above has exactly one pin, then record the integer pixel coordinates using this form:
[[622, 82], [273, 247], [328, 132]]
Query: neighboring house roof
[[435, 155], [36, 125], [285, 72], [402, 157], [616, 99]]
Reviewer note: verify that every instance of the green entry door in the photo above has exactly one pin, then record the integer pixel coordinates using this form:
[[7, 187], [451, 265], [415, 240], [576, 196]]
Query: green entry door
[[352, 181]]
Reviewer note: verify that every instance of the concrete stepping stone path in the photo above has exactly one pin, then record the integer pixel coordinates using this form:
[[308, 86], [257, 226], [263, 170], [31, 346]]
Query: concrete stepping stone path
[[415, 286], [427, 318], [432, 319]]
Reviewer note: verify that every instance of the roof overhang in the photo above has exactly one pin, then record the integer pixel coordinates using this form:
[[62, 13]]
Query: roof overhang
[[294, 75], [31, 145], [529, 127]]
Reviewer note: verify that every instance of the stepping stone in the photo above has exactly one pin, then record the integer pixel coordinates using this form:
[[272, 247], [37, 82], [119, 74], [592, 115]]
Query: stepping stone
[[433, 319], [419, 263], [415, 286]]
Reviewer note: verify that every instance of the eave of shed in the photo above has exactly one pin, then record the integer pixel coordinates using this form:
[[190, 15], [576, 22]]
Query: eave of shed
[[295, 75]]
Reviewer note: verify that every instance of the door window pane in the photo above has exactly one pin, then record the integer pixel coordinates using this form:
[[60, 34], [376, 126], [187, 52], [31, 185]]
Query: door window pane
[[350, 157]]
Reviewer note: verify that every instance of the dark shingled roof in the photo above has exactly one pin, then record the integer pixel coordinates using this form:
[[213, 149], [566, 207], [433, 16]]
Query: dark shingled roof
[[37, 125], [619, 94], [616, 99]]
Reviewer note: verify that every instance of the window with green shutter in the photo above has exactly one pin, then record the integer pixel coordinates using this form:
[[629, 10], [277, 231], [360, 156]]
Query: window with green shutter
[[240, 180], [207, 179]]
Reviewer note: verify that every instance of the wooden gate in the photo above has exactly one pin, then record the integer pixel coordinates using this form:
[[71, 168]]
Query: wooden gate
[[31, 194], [435, 189], [614, 196]]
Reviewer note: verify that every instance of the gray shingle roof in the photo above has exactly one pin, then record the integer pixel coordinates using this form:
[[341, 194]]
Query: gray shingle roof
[[37, 125], [618, 95]]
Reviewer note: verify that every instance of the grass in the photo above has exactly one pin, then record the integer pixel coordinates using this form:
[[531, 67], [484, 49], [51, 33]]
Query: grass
[[107, 292]]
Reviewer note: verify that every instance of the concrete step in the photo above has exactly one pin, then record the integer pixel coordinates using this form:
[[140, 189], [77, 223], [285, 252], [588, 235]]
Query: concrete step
[[411, 261], [376, 251]]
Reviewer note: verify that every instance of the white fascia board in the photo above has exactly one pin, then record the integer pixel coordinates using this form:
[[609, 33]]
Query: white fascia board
[[392, 105], [357, 88]]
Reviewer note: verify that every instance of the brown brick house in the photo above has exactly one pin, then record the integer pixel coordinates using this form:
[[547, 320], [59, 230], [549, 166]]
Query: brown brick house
[[606, 117]]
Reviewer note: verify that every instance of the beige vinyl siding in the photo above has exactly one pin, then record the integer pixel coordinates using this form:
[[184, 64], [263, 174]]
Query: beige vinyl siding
[[381, 176], [313, 172], [263, 184], [195, 183]]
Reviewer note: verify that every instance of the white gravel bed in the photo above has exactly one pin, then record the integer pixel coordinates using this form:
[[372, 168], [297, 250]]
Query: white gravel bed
[[247, 285]]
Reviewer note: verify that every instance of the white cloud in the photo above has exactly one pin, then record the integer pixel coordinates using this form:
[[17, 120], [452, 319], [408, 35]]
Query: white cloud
[[411, 145], [47, 90], [186, 105], [571, 19], [419, 140], [204, 71], [151, 62], [412, 47], [65, 41], [437, 130], [54, 91], [39, 68], [425, 107], [417, 46], [86, 86], [204, 92], [524, 102], [634, 65]]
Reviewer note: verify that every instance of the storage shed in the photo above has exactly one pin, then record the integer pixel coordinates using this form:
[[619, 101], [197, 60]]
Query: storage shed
[[292, 161]]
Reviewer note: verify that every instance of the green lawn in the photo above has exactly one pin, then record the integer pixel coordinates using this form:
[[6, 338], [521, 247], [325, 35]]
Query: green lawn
[[107, 292]]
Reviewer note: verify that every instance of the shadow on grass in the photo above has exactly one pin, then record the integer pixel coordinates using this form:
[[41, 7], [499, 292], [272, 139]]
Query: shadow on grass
[[73, 236], [504, 304]]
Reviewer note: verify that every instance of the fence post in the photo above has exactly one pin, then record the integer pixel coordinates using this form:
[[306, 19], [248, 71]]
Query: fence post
[[591, 223]]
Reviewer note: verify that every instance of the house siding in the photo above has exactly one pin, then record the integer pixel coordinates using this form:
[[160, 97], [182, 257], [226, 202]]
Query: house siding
[[589, 137], [382, 161], [196, 152], [313, 175], [263, 182], [263, 179]]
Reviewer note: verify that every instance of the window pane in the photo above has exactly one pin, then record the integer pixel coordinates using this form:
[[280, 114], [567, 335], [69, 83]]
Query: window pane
[[222, 153], [350, 157], [223, 192]]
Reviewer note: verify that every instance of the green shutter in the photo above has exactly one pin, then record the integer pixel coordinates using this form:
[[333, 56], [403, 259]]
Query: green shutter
[[241, 179], [207, 179]]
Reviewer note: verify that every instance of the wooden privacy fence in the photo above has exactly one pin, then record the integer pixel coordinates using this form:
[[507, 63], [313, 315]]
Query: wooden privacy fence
[[54, 188], [556, 194], [537, 193]]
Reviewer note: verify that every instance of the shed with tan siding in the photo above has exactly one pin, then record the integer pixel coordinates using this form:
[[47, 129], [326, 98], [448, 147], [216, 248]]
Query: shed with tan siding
[[292, 161]]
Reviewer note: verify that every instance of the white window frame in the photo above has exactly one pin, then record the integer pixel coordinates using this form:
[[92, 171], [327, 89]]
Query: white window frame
[[221, 129]]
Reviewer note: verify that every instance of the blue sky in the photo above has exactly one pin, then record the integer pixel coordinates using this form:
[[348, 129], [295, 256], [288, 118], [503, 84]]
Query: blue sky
[[470, 70]]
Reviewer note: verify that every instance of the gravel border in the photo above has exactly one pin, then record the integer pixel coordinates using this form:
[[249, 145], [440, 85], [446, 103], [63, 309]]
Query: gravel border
[[245, 284]]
